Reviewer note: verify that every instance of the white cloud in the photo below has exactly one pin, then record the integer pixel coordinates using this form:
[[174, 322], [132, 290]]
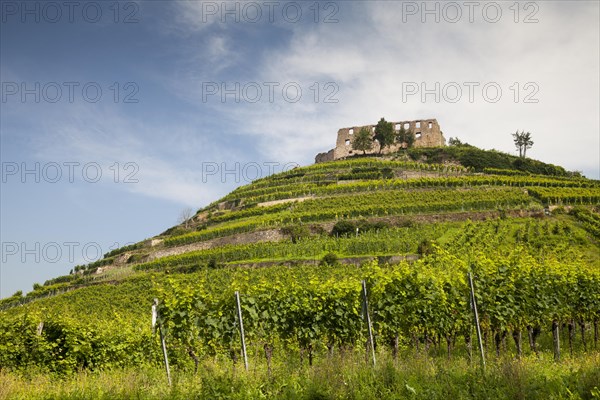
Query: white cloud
[[371, 61]]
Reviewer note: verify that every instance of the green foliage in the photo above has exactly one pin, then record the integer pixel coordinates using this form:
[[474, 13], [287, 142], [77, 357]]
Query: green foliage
[[362, 173], [425, 247], [387, 173], [124, 249], [589, 219], [405, 137], [363, 140], [16, 298], [296, 232], [346, 228], [337, 377], [213, 263], [527, 273], [384, 134], [136, 258], [456, 142], [60, 279], [478, 159], [508, 172], [522, 142], [343, 228], [330, 259], [566, 195]]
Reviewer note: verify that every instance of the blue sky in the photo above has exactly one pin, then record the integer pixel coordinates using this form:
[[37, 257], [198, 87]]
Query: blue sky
[[126, 113]]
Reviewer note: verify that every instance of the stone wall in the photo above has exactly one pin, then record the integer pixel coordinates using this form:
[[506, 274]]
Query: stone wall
[[427, 134], [323, 157]]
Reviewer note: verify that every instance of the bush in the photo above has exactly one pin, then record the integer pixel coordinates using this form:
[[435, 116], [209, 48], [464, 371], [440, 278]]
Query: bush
[[559, 210], [405, 223], [387, 173], [330, 259], [136, 258], [60, 279], [425, 247], [343, 228], [348, 228], [213, 263], [480, 160], [296, 232], [318, 230], [365, 226]]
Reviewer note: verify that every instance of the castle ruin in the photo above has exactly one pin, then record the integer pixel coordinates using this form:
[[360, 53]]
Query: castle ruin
[[427, 134]]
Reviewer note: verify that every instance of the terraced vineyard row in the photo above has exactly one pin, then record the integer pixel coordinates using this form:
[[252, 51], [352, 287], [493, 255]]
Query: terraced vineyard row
[[254, 195], [370, 204], [567, 195], [331, 172], [463, 237], [385, 242]]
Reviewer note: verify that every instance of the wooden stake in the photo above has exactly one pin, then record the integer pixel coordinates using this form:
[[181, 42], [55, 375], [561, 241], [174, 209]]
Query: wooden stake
[[556, 340], [162, 338], [366, 313], [239, 310], [474, 305]]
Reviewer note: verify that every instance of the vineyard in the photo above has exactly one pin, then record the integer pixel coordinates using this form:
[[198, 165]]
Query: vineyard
[[315, 313], [412, 231]]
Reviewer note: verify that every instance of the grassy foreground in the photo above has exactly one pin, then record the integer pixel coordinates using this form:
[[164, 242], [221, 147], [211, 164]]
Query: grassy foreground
[[348, 377]]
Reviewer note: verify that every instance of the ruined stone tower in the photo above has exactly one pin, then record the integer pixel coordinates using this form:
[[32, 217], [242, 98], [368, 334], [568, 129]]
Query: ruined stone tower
[[427, 134]]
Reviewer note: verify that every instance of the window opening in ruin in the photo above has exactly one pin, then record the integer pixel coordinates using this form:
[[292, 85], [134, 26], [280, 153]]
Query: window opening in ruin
[[418, 135], [351, 131], [347, 142]]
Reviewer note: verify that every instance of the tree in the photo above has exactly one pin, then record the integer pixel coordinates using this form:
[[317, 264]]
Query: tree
[[363, 140], [527, 142], [522, 142], [454, 142], [405, 136], [517, 138], [185, 217], [384, 133]]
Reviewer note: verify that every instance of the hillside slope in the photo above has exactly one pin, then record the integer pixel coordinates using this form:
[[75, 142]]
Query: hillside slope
[[316, 232], [376, 194]]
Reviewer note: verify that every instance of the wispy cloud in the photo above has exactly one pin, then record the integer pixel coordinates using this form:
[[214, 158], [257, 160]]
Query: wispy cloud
[[106, 136], [371, 61]]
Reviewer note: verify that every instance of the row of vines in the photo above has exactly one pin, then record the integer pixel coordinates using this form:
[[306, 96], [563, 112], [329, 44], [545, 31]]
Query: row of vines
[[524, 285], [314, 311], [369, 204], [253, 194]]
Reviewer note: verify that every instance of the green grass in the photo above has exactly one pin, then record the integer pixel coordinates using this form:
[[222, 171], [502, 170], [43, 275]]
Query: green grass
[[336, 377]]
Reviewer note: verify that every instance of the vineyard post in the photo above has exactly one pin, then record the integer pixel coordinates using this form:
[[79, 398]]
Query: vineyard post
[[366, 313], [556, 340], [239, 310], [476, 315], [162, 338]]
